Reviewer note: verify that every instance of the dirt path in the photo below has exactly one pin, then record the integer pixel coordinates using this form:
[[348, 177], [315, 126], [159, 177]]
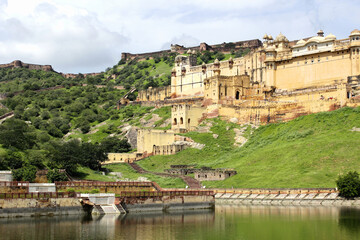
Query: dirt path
[[191, 182]]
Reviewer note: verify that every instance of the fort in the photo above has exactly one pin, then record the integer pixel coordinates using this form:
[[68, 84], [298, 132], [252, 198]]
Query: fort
[[20, 64], [224, 47], [278, 80], [47, 68]]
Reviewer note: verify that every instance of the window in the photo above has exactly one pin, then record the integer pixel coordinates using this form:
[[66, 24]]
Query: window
[[181, 120], [237, 96], [175, 121], [189, 121]]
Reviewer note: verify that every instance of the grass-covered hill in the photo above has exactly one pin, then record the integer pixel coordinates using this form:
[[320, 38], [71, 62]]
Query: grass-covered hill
[[156, 72], [309, 151], [72, 127]]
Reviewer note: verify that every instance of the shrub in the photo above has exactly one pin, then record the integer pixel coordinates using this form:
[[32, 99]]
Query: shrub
[[56, 176], [69, 190], [349, 185], [95, 191]]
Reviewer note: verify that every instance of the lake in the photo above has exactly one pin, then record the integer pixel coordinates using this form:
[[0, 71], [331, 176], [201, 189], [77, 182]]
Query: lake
[[225, 222]]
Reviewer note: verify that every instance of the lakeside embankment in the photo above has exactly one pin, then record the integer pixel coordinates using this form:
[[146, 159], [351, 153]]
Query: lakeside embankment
[[286, 197], [141, 197]]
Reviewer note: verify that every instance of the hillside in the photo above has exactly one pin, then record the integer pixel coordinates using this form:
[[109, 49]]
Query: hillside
[[307, 152], [61, 123]]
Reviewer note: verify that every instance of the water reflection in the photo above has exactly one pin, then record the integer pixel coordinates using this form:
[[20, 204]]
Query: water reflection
[[349, 219], [226, 222]]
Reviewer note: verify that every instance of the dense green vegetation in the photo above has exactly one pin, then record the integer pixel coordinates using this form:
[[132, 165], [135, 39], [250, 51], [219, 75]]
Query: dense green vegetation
[[156, 72], [22, 79], [309, 151], [34, 138], [349, 185]]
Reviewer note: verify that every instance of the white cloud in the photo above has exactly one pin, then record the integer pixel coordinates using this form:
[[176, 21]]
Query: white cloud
[[89, 35]]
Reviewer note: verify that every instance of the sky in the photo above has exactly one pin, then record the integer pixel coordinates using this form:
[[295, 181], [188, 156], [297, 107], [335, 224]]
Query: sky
[[89, 35]]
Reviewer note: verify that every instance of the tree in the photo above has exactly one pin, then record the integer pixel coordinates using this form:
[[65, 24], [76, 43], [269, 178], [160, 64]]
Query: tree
[[56, 176], [115, 145], [220, 56], [27, 173], [16, 133], [349, 185]]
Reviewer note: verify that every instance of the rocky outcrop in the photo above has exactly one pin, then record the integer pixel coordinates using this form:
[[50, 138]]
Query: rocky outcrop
[[20, 64]]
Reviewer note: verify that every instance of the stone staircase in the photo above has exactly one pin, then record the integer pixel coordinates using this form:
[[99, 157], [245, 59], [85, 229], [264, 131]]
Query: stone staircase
[[98, 210], [120, 208], [108, 209]]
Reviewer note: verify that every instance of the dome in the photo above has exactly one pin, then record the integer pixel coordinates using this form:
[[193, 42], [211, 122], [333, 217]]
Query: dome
[[203, 64], [301, 42], [281, 38], [316, 39], [330, 37], [355, 32], [189, 51], [173, 70], [265, 36], [193, 51], [216, 61], [230, 59], [270, 37], [180, 58]]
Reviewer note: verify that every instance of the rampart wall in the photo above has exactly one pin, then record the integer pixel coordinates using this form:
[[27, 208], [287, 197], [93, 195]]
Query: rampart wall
[[19, 64], [224, 47]]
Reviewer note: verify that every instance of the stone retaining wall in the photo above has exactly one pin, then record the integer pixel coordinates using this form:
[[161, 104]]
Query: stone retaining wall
[[322, 198], [39, 207]]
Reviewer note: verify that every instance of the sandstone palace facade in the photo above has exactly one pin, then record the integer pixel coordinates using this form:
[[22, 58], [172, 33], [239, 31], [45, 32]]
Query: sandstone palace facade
[[277, 81]]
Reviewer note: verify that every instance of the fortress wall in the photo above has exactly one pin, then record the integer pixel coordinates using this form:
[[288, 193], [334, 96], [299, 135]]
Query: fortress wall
[[147, 138], [154, 94], [122, 157], [297, 74], [17, 64]]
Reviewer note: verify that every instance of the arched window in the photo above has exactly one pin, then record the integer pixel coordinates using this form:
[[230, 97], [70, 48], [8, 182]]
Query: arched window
[[181, 120], [237, 96], [175, 121], [189, 121]]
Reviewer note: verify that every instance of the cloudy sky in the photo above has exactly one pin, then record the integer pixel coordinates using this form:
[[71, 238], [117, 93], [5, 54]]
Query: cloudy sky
[[89, 35]]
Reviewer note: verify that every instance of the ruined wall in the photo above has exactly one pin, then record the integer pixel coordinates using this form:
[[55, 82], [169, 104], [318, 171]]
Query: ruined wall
[[254, 43], [213, 174], [19, 64], [154, 94], [123, 157], [168, 149], [147, 138]]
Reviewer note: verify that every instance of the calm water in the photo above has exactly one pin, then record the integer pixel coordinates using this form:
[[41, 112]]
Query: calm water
[[226, 222]]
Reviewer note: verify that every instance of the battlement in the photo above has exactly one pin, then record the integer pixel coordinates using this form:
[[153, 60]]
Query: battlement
[[223, 47]]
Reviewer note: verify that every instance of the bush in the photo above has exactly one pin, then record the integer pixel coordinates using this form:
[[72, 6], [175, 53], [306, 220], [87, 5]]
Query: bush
[[27, 173], [95, 191], [70, 190], [349, 185], [56, 176]]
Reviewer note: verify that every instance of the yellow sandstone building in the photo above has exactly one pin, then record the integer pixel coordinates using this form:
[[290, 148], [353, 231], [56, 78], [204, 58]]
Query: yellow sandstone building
[[278, 81]]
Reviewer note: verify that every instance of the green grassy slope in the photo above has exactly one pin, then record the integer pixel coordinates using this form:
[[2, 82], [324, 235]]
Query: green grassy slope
[[307, 152], [128, 174]]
